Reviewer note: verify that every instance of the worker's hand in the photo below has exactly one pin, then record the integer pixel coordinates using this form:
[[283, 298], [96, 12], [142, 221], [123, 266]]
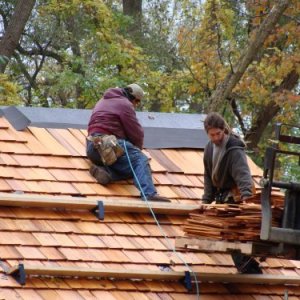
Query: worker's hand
[[206, 202], [206, 206], [247, 199]]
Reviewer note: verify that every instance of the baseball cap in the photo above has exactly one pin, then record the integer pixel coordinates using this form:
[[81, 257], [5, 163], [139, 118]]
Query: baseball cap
[[136, 91]]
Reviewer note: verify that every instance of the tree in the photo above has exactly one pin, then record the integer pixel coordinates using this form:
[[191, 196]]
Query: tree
[[72, 53], [14, 30], [133, 8], [255, 43], [267, 91], [267, 113], [180, 51]]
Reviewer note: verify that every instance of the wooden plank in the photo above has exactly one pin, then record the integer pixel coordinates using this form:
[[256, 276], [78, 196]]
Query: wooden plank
[[86, 203], [212, 245], [255, 248], [249, 278], [103, 273], [157, 275], [27, 200], [143, 207]]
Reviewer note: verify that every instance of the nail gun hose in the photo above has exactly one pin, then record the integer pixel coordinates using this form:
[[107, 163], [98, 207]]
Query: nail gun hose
[[170, 246]]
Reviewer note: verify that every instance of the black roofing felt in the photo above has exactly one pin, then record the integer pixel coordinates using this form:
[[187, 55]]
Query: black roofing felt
[[162, 130]]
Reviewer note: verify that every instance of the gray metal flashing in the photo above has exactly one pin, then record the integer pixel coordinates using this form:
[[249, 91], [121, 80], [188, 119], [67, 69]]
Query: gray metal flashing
[[171, 120], [162, 138], [46, 117], [18, 120], [162, 130]]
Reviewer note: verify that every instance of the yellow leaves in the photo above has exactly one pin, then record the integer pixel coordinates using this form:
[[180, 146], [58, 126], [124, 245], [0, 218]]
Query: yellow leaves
[[293, 99], [258, 9], [209, 48], [226, 19], [209, 41], [8, 91], [193, 89], [287, 114], [286, 99], [293, 8], [95, 9], [164, 90]]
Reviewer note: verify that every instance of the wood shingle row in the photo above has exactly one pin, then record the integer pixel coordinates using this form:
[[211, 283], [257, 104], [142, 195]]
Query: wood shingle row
[[52, 162]]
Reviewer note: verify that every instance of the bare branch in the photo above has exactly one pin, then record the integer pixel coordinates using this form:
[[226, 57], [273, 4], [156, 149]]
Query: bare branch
[[38, 51], [237, 113]]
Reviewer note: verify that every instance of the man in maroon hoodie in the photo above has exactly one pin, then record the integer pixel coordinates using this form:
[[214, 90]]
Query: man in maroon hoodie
[[114, 114]]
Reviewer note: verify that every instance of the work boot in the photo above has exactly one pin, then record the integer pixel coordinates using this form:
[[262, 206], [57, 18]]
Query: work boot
[[158, 198], [101, 175]]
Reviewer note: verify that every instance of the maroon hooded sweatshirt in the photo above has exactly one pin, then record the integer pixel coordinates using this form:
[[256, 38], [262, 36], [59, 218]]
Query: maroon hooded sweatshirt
[[115, 114]]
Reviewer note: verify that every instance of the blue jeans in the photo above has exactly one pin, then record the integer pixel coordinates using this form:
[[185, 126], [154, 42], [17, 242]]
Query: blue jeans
[[121, 170]]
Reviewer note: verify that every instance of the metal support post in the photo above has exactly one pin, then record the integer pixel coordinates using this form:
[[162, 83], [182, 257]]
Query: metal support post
[[20, 275], [99, 210]]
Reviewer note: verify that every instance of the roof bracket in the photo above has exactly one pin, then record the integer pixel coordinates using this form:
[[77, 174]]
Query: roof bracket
[[245, 264], [99, 210], [187, 281], [19, 274]]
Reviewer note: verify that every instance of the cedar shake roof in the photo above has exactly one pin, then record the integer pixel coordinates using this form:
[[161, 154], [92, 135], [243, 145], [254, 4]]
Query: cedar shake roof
[[51, 162]]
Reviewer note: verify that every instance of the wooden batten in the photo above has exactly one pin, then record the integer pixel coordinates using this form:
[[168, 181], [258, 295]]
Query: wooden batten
[[101, 273], [254, 248], [116, 205], [201, 244], [153, 275]]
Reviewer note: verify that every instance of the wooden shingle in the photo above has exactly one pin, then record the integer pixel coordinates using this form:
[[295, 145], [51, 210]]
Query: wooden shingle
[[52, 162]]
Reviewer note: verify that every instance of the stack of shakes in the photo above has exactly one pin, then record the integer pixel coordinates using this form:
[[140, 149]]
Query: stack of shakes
[[232, 222]]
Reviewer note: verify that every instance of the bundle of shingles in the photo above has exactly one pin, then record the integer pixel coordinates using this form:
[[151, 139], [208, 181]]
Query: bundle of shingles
[[232, 222]]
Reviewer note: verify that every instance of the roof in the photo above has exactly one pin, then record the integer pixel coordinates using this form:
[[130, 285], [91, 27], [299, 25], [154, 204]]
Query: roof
[[182, 130], [50, 162]]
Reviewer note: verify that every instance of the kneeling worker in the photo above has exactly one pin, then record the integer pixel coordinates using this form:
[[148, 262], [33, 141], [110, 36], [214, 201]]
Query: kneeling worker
[[114, 134]]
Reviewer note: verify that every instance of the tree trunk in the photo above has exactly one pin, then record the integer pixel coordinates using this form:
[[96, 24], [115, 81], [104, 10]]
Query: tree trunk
[[255, 43], [77, 67], [133, 8], [266, 115], [15, 29]]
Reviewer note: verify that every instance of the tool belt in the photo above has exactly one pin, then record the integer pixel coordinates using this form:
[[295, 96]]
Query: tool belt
[[108, 148]]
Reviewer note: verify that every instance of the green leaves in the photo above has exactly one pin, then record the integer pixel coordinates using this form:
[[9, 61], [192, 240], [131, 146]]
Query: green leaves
[[72, 51], [3, 59]]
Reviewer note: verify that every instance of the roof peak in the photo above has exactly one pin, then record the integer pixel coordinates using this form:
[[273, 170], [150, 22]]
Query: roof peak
[[162, 130]]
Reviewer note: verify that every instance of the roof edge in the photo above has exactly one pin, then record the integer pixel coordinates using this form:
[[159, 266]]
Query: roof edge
[[16, 118]]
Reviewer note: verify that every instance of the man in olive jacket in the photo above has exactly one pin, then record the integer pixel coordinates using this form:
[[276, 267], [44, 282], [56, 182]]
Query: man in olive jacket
[[225, 163], [226, 169]]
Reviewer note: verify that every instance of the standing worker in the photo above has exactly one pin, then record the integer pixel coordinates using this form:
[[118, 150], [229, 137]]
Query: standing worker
[[114, 135], [227, 176]]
